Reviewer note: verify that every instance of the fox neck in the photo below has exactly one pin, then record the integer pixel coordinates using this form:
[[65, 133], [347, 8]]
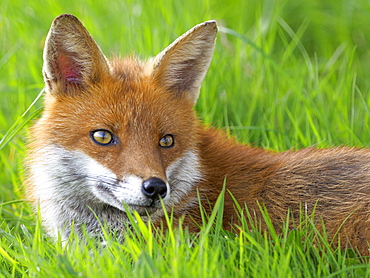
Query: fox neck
[[223, 161]]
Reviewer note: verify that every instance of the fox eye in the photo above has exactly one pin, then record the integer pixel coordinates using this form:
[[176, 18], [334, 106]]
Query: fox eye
[[167, 141], [102, 137]]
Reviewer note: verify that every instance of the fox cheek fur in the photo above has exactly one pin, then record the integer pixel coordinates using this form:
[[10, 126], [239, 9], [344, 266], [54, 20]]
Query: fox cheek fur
[[124, 132]]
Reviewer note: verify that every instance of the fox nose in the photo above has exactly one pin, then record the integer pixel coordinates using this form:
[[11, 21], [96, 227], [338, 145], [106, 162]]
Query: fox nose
[[153, 188]]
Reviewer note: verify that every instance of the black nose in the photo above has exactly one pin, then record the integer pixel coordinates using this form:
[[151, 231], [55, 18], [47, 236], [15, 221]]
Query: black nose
[[153, 188]]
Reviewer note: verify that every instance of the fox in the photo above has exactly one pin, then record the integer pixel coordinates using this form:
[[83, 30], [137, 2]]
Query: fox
[[123, 134]]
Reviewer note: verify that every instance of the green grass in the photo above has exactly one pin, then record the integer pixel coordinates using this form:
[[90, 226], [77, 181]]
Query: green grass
[[285, 75]]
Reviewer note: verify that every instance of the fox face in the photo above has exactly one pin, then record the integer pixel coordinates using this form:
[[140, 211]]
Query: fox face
[[115, 133]]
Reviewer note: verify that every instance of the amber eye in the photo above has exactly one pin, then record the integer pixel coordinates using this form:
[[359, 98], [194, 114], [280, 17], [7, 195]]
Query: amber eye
[[167, 141], [102, 137]]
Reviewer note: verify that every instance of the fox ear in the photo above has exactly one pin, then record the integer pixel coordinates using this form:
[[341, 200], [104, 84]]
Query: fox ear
[[181, 67], [71, 56]]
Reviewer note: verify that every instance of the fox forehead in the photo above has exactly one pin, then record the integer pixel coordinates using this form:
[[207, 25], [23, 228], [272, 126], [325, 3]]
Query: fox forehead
[[127, 99]]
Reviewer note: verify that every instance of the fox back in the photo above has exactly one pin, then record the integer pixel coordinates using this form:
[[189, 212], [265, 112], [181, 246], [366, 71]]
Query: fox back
[[123, 133]]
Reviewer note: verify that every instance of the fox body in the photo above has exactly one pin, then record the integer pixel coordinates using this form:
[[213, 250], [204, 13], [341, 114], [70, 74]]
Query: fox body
[[124, 132]]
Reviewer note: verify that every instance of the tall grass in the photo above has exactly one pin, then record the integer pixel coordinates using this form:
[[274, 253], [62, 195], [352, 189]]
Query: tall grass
[[285, 74]]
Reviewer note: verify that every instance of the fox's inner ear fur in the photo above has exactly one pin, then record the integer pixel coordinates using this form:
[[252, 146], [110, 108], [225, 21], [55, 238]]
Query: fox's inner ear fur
[[71, 56], [181, 67]]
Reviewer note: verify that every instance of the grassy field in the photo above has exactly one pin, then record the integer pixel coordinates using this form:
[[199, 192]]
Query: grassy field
[[285, 75]]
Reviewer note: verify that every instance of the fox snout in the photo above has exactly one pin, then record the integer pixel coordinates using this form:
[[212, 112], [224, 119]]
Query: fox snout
[[154, 188]]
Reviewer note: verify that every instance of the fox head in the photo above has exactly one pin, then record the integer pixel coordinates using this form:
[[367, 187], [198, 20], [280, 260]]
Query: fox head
[[115, 133]]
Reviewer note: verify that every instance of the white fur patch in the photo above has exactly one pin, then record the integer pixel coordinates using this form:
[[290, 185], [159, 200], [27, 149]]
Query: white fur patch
[[71, 186], [182, 175], [63, 185]]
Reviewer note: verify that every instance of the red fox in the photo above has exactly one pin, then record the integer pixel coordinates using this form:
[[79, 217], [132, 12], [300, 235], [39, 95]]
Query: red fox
[[123, 133]]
